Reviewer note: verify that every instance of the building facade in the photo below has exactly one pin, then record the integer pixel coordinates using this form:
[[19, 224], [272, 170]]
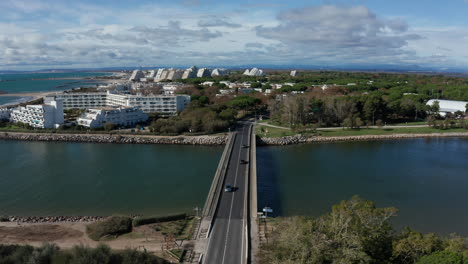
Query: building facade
[[136, 76], [121, 116], [449, 106], [165, 104], [4, 114], [40, 116]]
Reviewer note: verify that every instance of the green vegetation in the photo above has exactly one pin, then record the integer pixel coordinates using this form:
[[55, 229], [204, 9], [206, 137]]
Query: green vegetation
[[390, 98], [157, 219], [386, 131], [356, 231], [266, 131], [110, 227], [51, 254], [180, 229]]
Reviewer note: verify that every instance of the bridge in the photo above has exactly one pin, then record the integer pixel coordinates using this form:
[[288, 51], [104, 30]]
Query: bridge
[[229, 217]]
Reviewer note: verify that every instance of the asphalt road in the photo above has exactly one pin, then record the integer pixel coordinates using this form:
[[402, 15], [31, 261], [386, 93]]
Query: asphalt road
[[227, 238]]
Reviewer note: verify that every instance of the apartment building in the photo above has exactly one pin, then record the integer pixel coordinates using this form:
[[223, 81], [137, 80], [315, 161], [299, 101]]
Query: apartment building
[[165, 104], [48, 115], [4, 114], [121, 116]]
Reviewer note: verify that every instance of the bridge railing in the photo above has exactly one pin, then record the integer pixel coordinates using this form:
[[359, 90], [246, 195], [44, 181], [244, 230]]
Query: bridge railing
[[216, 186]]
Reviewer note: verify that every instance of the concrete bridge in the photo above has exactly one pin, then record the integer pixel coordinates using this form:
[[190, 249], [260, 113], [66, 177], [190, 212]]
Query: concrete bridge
[[229, 217]]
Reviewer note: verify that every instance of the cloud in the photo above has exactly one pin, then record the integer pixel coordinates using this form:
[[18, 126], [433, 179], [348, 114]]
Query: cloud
[[339, 28], [217, 22], [255, 45], [90, 34]]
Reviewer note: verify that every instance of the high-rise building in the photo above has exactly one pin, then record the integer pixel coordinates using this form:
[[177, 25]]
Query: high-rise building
[[121, 116], [41, 116], [136, 76]]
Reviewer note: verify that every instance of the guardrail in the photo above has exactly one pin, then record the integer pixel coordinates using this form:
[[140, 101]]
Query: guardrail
[[214, 193], [247, 199], [253, 234]]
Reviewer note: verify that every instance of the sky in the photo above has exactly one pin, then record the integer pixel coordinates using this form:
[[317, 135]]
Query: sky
[[48, 34]]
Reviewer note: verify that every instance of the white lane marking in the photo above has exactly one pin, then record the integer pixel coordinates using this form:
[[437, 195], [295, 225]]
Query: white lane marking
[[233, 195]]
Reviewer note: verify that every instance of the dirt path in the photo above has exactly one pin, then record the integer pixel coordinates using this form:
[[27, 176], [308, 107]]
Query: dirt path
[[67, 235]]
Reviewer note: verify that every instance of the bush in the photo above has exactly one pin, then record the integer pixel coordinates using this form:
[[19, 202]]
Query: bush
[[50, 253], [112, 226], [157, 219], [446, 257]]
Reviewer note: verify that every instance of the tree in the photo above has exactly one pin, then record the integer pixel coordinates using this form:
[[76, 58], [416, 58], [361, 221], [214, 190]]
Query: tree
[[412, 245], [374, 107], [355, 231], [255, 85], [109, 126], [445, 257]]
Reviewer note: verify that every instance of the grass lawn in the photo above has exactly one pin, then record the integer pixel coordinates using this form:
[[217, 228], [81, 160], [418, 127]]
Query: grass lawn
[[409, 123], [276, 132], [265, 131], [181, 229], [13, 127], [386, 131]]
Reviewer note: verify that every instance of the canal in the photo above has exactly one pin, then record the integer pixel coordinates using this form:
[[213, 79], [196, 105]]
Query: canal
[[426, 179], [39, 178]]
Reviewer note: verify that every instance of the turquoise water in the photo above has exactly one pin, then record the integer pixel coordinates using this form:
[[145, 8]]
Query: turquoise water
[[39, 178], [23, 83], [426, 179], [13, 99]]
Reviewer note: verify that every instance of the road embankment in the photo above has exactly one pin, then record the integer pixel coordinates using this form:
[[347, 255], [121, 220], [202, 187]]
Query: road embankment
[[299, 139], [115, 138]]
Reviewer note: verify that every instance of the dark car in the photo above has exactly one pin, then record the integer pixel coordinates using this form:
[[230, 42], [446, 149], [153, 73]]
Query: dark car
[[243, 162], [245, 146], [228, 188]]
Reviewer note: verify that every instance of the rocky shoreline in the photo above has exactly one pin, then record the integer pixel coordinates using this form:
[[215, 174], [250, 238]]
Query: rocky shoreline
[[299, 139], [116, 139], [50, 219]]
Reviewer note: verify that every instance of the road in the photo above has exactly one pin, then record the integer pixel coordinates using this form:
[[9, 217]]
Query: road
[[337, 128], [227, 239]]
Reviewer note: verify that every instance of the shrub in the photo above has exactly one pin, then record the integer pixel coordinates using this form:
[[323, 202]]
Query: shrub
[[157, 219], [112, 226], [446, 257]]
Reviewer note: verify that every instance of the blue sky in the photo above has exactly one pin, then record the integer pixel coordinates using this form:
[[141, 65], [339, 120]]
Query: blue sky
[[37, 34]]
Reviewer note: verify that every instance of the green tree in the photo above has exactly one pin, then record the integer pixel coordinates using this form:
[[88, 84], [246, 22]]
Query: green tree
[[412, 245], [439, 257], [109, 126], [374, 107]]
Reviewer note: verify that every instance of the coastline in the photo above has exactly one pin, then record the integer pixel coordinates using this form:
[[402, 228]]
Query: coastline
[[300, 139], [115, 138]]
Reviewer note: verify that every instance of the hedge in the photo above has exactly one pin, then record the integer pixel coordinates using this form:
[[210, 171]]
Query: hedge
[[157, 219], [112, 226]]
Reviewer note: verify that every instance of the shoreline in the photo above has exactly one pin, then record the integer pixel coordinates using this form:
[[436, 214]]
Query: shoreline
[[50, 219], [300, 139], [115, 138]]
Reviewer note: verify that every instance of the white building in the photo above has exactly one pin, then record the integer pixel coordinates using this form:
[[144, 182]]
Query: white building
[[158, 75], [203, 72], [254, 72], [151, 74], [190, 73], [170, 88], [218, 72], [41, 116], [293, 73], [166, 104], [207, 83], [136, 76], [121, 116], [4, 114], [449, 106]]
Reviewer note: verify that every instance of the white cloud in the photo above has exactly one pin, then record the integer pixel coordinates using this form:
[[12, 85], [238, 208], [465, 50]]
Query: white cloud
[[39, 33]]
